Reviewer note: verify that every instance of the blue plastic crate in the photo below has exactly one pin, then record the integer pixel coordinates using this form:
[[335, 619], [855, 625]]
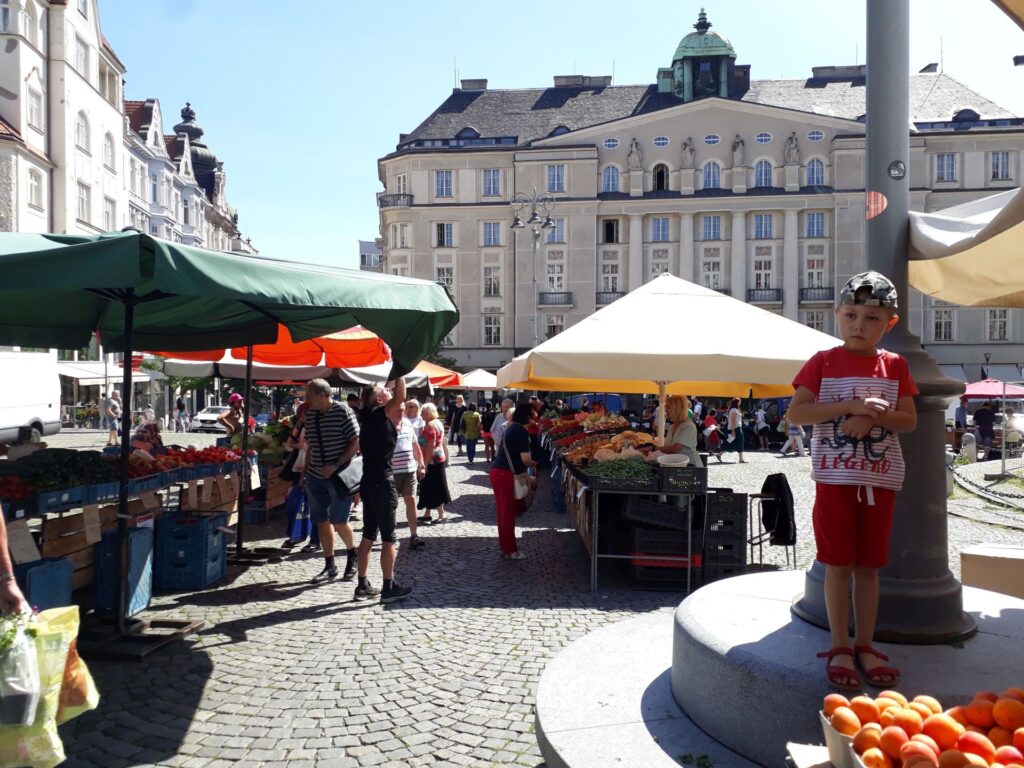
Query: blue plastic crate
[[58, 501], [254, 511], [194, 574], [140, 572], [15, 510], [168, 477], [104, 492], [189, 538], [46, 583]]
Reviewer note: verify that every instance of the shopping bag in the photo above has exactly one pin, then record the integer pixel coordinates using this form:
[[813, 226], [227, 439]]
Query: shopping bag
[[297, 510], [78, 692], [19, 672]]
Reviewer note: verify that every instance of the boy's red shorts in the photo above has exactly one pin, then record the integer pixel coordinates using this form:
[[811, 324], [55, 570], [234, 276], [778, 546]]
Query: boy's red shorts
[[850, 531]]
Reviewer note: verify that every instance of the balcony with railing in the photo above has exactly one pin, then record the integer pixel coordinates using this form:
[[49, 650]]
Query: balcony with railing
[[821, 294], [394, 200], [555, 299], [607, 297], [764, 295]]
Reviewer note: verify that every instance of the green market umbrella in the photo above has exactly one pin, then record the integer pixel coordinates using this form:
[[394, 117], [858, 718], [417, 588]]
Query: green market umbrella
[[143, 293]]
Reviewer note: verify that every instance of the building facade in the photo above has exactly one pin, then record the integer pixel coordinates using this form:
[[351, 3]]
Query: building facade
[[370, 255], [754, 188]]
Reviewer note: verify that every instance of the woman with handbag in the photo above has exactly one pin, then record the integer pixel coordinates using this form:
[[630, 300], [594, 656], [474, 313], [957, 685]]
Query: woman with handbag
[[509, 479], [434, 486]]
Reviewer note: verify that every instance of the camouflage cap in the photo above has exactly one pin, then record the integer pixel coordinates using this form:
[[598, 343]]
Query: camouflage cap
[[882, 291]]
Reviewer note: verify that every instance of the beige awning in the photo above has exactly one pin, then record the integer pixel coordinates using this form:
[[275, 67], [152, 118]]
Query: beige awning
[[1014, 9], [970, 254]]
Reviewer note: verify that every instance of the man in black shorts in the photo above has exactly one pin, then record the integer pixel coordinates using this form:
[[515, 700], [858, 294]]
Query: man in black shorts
[[378, 434]]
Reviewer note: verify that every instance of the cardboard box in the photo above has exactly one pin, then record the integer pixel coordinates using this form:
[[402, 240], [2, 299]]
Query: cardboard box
[[994, 567]]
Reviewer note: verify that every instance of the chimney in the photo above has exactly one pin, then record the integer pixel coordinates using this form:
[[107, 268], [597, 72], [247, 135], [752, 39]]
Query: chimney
[[1018, 61], [474, 85], [840, 73], [930, 68], [582, 81]]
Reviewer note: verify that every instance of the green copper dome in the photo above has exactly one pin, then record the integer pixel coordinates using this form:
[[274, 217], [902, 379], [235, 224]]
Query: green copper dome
[[703, 42]]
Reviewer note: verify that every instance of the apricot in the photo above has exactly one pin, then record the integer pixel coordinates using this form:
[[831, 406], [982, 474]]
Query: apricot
[[1000, 737], [922, 709], [892, 740], [977, 760], [979, 712], [845, 721], [832, 702], [928, 740], [987, 696], [943, 729], [876, 758], [919, 760], [959, 713], [887, 716], [868, 737], [1013, 693], [885, 703], [1018, 739], [972, 743], [929, 701], [1009, 713], [865, 709], [1008, 754], [917, 749], [895, 696], [976, 729], [909, 720], [952, 758]]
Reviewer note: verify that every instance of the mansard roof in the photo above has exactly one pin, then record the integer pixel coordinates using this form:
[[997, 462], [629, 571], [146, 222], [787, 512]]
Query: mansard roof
[[528, 114]]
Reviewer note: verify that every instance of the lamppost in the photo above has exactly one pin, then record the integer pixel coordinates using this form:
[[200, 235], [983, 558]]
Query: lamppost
[[540, 205]]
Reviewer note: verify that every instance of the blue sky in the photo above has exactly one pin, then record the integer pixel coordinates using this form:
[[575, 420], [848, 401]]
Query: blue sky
[[300, 99]]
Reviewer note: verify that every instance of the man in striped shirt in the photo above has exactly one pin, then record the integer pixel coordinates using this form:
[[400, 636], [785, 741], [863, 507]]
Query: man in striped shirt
[[333, 436]]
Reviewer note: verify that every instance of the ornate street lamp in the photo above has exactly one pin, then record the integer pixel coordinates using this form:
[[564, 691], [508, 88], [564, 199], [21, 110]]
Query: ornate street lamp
[[540, 207]]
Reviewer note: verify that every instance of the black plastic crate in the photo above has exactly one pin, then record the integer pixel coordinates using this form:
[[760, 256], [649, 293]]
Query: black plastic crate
[[641, 510], [683, 479], [727, 504], [659, 541], [717, 572], [665, 579], [725, 552], [725, 527]]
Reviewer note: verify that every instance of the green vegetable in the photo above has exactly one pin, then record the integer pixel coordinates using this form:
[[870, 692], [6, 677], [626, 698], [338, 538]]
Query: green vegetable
[[632, 469]]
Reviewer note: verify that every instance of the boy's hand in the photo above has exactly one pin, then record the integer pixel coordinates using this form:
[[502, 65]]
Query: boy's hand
[[879, 404], [872, 407], [857, 426]]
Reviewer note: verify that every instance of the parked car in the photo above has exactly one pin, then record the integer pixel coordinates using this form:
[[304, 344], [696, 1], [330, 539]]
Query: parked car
[[206, 419], [262, 420]]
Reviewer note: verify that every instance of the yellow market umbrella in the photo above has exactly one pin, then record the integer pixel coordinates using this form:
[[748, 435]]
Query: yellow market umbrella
[[1014, 9], [970, 254], [672, 336]]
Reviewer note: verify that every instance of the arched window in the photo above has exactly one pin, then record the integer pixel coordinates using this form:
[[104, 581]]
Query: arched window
[[815, 173], [660, 177], [712, 175], [82, 131], [610, 179], [108, 151], [763, 173]]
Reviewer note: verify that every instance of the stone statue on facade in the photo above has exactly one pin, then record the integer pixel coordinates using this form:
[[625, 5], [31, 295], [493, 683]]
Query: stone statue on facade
[[636, 155], [688, 152], [737, 151], [792, 150]]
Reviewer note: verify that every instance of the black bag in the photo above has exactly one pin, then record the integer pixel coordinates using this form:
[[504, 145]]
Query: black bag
[[288, 470], [348, 478], [777, 515]]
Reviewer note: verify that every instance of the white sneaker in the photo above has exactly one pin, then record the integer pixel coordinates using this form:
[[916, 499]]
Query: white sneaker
[[517, 555]]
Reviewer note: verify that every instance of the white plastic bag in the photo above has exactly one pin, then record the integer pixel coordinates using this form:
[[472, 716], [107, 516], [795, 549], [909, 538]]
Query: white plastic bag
[[19, 672]]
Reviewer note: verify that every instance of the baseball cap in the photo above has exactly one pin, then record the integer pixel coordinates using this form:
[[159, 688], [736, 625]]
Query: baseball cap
[[882, 291], [235, 398]]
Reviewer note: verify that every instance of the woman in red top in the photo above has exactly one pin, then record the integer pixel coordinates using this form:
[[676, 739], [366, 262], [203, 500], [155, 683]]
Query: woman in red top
[[712, 438], [434, 485]]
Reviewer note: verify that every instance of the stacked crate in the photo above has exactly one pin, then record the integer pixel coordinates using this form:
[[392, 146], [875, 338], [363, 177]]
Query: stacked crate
[[725, 535], [660, 530], [140, 572], [191, 553]]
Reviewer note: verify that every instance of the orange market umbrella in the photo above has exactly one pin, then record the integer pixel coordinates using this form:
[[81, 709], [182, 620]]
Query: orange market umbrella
[[355, 347], [439, 377]]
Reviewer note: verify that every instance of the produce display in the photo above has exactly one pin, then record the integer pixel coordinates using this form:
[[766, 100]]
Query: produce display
[[265, 444], [626, 469], [626, 445], [891, 732]]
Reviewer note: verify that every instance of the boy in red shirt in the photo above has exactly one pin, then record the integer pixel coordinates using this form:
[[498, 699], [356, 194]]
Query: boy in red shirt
[[859, 398]]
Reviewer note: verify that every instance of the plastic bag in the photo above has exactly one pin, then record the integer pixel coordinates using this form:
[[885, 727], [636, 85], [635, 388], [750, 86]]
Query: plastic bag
[[19, 672], [78, 692]]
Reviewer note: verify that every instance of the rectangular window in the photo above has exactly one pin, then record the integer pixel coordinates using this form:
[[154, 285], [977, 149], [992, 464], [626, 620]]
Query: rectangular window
[[945, 166], [556, 178], [712, 227], [400, 271], [492, 281], [998, 322], [84, 201], [556, 277], [492, 182], [556, 324], [35, 109], [711, 273], [610, 230], [1000, 166], [610, 277], [762, 273], [814, 273], [35, 189], [442, 183], [942, 324], [492, 331], [5, 19], [659, 230], [401, 184], [109, 214], [186, 212], [154, 189], [83, 7], [762, 226], [815, 225], [445, 276], [557, 233], [815, 318], [82, 57], [445, 237], [492, 233]]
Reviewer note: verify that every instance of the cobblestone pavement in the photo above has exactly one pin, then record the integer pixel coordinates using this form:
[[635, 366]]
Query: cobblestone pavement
[[286, 673]]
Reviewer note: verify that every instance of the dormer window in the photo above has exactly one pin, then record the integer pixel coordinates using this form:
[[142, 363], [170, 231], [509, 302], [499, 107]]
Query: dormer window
[[468, 133], [559, 131], [966, 116]]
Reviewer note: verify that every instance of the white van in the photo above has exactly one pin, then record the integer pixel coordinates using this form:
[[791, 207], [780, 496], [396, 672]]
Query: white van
[[29, 393]]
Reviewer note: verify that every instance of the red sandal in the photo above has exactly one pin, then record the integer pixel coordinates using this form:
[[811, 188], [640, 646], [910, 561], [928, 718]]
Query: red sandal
[[875, 675], [840, 677]]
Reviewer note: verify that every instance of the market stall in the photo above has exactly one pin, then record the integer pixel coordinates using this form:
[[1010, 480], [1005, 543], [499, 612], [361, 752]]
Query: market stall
[[141, 292]]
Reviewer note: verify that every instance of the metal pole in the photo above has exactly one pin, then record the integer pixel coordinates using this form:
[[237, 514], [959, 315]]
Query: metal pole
[[1002, 444], [920, 600], [661, 408], [243, 485], [536, 286], [122, 501]]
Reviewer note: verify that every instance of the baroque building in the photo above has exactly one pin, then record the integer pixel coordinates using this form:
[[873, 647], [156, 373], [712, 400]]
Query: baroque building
[[751, 187]]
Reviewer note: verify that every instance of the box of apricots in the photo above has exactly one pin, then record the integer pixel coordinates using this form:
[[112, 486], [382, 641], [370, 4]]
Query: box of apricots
[[890, 731]]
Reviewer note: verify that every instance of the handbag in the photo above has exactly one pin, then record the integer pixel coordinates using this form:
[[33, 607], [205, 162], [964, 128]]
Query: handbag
[[348, 478], [522, 484]]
